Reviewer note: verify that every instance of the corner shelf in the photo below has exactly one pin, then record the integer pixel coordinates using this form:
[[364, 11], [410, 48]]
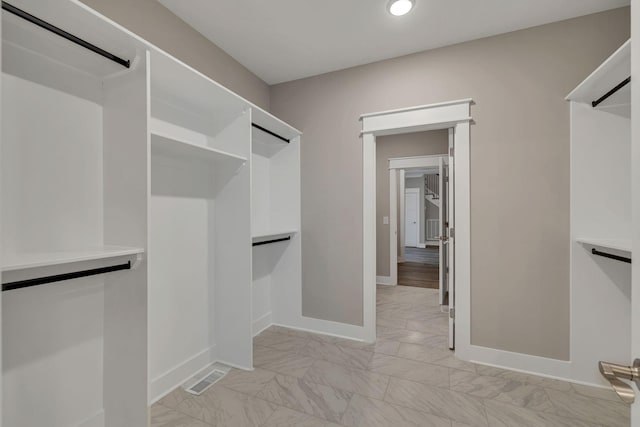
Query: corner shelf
[[623, 245], [29, 260]]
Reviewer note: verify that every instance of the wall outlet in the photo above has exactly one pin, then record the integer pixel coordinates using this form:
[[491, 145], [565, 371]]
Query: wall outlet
[[385, 220]]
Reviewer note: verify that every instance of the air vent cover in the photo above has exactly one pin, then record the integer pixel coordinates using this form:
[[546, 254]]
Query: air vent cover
[[206, 379]]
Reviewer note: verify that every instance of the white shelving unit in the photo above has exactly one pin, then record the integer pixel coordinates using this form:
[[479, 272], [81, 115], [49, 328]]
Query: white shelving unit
[[73, 199], [600, 217], [145, 163], [275, 223], [199, 253]]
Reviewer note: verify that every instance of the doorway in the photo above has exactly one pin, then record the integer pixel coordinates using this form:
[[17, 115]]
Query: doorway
[[412, 217], [456, 117], [419, 246]]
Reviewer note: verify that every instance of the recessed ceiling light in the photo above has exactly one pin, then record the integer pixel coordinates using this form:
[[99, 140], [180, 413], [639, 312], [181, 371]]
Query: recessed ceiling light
[[400, 7]]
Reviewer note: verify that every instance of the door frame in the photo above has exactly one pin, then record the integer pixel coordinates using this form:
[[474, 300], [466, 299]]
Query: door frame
[[415, 191], [455, 115], [397, 166]]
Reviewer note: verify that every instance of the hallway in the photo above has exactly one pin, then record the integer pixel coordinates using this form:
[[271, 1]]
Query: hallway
[[408, 378]]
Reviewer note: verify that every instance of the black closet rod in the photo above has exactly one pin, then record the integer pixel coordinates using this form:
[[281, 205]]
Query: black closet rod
[[611, 92], [611, 256], [270, 133], [62, 33], [66, 276], [272, 241]]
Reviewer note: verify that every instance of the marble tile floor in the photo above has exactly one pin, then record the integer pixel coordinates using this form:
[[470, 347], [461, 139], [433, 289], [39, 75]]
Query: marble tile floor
[[407, 378]]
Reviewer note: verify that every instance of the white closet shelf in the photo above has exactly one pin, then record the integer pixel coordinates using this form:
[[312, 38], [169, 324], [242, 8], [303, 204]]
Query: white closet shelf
[[623, 245], [610, 74], [189, 151], [27, 260], [262, 237]]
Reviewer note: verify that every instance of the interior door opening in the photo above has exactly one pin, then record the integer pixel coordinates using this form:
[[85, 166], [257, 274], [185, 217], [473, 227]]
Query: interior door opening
[[418, 240]]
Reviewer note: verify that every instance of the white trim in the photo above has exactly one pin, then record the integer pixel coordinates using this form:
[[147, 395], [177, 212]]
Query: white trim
[[327, 327], [262, 323], [519, 362], [415, 162], [459, 168], [400, 254], [429, 117], [385, 280], [418, 107], [527, 364], [369, 236], [423, 245], [393, 226], [164, 383], [455, 114]]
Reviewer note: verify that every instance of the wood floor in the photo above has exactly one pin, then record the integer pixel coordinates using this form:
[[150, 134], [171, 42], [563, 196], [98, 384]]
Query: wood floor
[[429, 255], [420, 268]]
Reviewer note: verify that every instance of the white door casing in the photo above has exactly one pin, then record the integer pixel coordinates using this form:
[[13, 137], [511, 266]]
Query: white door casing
[[635, 199], [451, 247], [456, 115], [442, 225], [411, 217], [401, 183], [393, 226]]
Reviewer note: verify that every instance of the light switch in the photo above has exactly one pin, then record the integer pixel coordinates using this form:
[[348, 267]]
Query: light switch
[[385, 220]]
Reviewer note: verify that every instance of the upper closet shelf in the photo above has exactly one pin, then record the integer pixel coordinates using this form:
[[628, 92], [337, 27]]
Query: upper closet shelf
[[623, 245], [270, 135], [608, 88], [220, 161], [76, 37], [25, 261]]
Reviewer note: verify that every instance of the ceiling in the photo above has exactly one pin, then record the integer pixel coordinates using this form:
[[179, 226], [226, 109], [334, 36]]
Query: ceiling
[[283, 40]]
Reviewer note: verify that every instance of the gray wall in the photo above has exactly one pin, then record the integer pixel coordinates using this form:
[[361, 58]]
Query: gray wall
[[406, 145], [519, 162], [155, 23]]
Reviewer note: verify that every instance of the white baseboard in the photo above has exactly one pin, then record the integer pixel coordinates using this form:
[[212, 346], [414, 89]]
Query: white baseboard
[[519, 362], [384, 280], [327, 327], [164, 383], [262, 323], [96, 420], [422, 245]]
